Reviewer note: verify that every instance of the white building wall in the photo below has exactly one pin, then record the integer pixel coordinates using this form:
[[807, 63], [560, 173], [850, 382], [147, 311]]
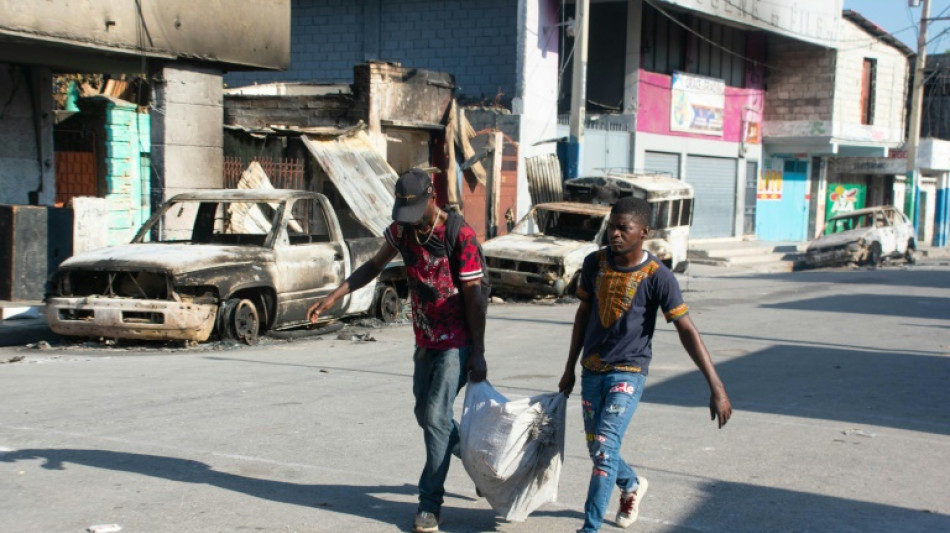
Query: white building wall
[[535, 99], [890, 88]]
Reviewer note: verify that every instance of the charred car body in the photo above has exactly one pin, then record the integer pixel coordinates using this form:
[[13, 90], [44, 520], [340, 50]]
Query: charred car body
[[235, 262], [864, 236], [548, 261]]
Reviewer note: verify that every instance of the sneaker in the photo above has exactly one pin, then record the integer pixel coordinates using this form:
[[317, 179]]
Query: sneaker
[[630, 504], [425, 522]]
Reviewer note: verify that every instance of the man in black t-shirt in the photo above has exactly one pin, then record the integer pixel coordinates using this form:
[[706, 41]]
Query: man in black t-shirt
[[621, 289]]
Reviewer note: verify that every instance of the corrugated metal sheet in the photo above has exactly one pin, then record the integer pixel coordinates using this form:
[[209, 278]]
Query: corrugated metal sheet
[[544, 178], [714, 183], [668, 163], [361, 175]]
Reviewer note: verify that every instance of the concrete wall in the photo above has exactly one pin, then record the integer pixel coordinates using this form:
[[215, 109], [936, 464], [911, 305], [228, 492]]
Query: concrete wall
[[890, 87], [73, 35], [474, 41], [187, 138], [26, 138]]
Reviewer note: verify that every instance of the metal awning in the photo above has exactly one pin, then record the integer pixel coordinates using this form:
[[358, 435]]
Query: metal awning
[[361, 175]]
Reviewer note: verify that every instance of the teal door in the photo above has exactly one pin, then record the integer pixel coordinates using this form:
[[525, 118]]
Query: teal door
[[782, 215]]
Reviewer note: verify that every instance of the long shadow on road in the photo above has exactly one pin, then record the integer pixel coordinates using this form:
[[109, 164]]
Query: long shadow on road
[[873, 304], [741, 507], [364, 501], [911, 277], [732, 507], [898, 390]]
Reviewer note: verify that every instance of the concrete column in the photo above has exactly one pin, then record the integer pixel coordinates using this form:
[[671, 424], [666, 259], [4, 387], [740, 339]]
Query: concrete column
[[27, 175], [187, 135], [631, 80]]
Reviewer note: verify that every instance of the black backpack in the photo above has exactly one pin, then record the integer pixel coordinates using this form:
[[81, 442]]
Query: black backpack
[[453, 225]]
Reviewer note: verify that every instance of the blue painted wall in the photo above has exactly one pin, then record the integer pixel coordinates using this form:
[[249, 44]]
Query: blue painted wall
[[786, 218], [474, 41]]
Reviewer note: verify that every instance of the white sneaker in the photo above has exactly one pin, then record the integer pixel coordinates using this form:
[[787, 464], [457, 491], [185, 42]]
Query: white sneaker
[[630, 504]]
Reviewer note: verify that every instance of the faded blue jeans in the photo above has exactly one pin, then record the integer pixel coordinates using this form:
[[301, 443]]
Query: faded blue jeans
[[438, 377], [609, 400]]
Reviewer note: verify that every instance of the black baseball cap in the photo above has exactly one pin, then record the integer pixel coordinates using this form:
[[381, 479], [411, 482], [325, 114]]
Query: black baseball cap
[[413, 190]]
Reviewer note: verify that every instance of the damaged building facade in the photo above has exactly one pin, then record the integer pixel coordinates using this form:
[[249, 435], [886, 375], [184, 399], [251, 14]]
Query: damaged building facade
[[181, 58], [502, 57], [748, 101]]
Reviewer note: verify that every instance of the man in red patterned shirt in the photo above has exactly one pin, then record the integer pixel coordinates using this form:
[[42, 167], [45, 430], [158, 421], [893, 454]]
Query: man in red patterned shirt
[[448, 318]]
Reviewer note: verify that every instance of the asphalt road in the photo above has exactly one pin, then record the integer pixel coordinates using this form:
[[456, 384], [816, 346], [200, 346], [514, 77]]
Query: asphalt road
[[838, 379]]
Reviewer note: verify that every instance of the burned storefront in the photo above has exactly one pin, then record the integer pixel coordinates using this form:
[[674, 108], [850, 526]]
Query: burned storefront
[[335, 139]]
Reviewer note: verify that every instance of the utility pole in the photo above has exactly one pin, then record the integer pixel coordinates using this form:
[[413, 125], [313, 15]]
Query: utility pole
[[575, 144], [913, 133]]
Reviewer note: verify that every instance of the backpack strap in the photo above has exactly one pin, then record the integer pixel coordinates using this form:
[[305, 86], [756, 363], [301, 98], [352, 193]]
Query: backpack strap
[[453, 225]]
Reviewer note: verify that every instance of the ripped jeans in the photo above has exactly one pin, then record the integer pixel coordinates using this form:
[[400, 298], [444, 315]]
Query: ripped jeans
[[609, 400]]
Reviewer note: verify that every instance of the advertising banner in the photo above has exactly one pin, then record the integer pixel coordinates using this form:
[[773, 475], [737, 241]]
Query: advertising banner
[[697, 104], [844, 198]]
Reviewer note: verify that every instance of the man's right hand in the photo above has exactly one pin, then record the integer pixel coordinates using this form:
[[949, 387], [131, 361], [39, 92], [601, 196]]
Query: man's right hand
[[319, 307]]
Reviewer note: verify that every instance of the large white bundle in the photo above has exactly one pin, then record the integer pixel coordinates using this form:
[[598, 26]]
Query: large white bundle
[[513, 450]]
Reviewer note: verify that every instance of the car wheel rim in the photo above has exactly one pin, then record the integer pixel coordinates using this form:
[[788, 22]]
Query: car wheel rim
[[246, 322], [389, 305]]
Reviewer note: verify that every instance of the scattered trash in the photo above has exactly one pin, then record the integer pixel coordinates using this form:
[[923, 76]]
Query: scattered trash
[[14, 359], [42, 345], [104, 528], [324, 371], [859, 433], [497, 300], [358, 337]]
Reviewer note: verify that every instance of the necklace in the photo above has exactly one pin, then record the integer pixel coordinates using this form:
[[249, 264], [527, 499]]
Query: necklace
[[438, 215]]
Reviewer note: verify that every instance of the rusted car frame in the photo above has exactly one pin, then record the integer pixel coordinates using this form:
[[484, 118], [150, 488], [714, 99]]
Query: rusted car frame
[[235, 262], [547, 262], [864, 236]]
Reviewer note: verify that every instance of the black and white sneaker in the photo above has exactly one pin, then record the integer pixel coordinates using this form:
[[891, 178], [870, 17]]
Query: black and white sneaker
[[425, 522]]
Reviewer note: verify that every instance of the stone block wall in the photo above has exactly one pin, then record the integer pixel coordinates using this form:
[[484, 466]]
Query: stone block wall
[[801, 84]]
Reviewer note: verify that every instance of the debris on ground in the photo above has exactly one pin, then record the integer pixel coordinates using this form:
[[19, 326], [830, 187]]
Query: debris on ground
[[104, 528], [858, 432], [14, 359], [355, 336]]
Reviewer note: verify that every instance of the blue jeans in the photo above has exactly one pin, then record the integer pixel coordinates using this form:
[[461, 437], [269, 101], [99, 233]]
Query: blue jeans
[[608, 400], [438, 377]]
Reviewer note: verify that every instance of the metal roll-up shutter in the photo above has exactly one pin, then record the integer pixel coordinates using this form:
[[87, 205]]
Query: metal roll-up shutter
[[662, 162], [714, 186]]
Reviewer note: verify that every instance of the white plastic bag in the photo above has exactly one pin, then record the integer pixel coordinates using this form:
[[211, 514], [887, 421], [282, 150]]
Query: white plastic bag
[[513, 450]]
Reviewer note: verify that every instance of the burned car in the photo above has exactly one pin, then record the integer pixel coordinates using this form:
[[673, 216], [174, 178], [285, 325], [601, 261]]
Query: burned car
[[864, 236], [547, 262], [544, 253], [232, 262]]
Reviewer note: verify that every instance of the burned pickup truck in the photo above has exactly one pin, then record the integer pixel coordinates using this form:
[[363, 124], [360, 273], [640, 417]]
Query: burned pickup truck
[[234, 263], [545, 251]]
